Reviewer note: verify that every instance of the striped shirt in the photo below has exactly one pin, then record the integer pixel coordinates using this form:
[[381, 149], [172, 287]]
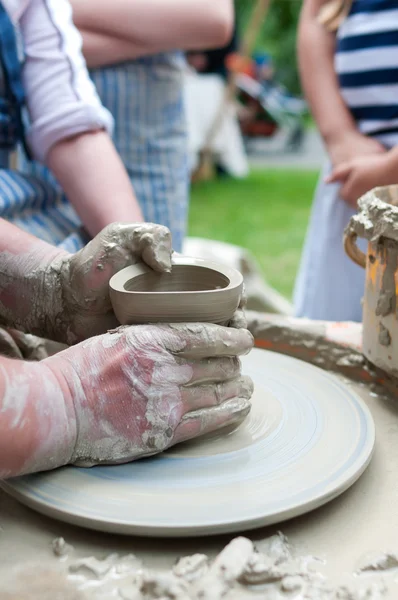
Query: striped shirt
[[366, 63]]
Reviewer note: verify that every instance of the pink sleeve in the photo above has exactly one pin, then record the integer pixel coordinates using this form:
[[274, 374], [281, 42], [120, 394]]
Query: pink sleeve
[[62, 100]]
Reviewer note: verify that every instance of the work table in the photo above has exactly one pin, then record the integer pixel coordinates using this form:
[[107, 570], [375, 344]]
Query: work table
[[341, 534]]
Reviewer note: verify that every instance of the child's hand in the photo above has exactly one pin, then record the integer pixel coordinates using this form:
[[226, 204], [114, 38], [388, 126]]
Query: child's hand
[[353, 145], [84, 276], [362, 174]]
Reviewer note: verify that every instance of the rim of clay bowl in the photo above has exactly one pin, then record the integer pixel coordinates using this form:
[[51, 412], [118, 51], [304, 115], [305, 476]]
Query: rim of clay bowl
[[118, 281], [386, 194]]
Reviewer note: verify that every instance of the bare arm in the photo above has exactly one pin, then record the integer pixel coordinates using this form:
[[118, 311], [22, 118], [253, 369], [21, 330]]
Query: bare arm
[[68, 121], [101, 50], [158, 25], [316, 47], [315, 52], [37, 426], [99, 187]]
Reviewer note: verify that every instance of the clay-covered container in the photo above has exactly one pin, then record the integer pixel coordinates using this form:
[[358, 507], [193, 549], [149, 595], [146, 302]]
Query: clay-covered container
[[377, 222], [196, 290]]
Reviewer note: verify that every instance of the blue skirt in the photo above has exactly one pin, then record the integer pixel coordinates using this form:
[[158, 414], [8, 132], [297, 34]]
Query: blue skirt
[[41, 209]]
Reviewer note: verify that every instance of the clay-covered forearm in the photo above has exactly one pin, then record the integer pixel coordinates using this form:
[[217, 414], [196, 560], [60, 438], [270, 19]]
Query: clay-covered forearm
[[30, 292], [37, 429], [95, 181], [159, 24], [316, 60]]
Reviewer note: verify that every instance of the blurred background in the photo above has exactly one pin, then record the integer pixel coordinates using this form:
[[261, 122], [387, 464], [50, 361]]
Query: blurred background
[[255, 153]]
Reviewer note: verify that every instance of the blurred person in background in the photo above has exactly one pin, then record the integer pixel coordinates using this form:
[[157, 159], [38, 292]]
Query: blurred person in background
[[349, 67], [135, 54], [214, 62]]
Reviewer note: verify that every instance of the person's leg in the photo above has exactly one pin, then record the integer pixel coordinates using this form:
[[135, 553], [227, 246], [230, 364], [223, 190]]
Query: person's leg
[[145, 97], [329, 285]]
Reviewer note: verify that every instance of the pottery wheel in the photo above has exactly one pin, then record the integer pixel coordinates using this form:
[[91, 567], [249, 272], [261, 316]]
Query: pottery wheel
[[307, 439]]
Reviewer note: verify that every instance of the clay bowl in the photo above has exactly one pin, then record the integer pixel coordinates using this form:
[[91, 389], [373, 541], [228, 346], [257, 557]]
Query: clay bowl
[[196, 290]]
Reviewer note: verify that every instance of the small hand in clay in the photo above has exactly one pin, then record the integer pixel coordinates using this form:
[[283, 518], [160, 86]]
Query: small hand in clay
[[84, 276], [124, 395]]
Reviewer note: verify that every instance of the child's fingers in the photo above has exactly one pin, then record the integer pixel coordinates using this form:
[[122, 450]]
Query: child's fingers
[[349, 192], [339, 173]]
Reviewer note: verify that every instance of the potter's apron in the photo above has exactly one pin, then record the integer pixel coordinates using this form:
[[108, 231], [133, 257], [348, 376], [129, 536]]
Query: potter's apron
[[28, 202], [145, 97]]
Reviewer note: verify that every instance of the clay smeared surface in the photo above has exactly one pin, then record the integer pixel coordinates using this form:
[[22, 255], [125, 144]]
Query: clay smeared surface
[[273, 570]]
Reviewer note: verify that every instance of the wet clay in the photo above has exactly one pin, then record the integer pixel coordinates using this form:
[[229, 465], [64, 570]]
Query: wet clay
[[377, 222], [332, 346], [65, 297], [195, 290], [379, 562], [61, 548], [384, 336], [241, 571], [378, 215]]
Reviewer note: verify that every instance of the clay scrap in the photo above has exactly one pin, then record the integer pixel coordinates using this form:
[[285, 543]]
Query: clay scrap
[[242, 570]]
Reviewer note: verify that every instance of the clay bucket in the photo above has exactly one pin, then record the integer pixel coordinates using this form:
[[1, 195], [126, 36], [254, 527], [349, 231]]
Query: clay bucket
[[377, 221], [196, 290]]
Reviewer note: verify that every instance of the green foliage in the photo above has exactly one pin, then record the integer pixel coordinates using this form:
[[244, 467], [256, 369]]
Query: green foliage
[[277, 36]]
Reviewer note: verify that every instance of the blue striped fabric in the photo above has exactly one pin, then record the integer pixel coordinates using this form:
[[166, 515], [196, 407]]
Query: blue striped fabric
[[36, 207], [28, 202], [13, 101], [366, 63], [145, 97]]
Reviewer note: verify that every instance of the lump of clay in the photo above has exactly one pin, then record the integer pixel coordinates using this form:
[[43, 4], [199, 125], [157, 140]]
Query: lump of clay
[[192, 568]]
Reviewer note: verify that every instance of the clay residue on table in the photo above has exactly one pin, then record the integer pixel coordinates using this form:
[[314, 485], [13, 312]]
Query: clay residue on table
[[384, 561], [240, 571], [332, 346]]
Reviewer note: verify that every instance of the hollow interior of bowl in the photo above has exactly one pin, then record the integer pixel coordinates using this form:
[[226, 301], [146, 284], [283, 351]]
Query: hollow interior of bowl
[[183, 278]]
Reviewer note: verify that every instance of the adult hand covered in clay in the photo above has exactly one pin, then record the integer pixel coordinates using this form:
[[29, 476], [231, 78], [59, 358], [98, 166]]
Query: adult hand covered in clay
[[83, 277], [123, 395], [48, 292]]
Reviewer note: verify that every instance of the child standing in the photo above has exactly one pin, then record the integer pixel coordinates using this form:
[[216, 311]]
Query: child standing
[[351, 82]]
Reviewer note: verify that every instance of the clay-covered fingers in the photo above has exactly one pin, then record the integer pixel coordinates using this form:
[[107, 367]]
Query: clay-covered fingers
[[154, 246], [213, 369], [207, 420], [238, 320], [205, 340], [206, 395]]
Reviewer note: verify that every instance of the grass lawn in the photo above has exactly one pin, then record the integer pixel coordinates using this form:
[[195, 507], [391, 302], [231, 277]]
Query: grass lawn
[[266, 213]]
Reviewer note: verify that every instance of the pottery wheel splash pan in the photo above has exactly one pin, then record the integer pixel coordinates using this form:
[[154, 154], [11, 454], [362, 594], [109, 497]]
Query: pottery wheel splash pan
[[307, 439]]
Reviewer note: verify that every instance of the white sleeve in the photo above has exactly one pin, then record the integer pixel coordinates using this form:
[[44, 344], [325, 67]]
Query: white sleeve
[[61, 98]]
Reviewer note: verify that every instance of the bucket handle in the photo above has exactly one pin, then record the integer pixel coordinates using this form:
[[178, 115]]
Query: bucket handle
[[351, 248]]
